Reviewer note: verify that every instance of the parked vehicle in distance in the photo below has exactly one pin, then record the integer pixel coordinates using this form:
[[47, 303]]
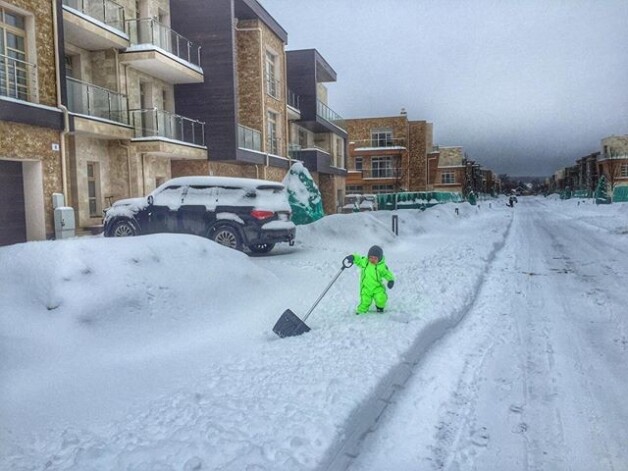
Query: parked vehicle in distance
[[236, 212], [354, 203]]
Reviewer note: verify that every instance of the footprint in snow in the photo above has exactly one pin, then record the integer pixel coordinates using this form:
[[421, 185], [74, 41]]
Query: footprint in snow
[[480, 437]]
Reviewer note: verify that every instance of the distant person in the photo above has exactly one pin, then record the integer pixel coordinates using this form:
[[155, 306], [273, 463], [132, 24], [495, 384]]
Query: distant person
[[374, 273]]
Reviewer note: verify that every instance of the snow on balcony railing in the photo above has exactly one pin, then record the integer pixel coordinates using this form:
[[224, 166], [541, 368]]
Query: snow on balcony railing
[[161, 123], [18, 79], [150, 31], [380, 142], [92, 100], [105, 11]]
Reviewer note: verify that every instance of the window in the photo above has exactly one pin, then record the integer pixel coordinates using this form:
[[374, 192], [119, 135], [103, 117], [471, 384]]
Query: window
[[381, 137], [359, 164], [382, 167], [271, 128], [14, 70], [272, 87], [93, 189], [354, 189], [447, 176], [623, 172]]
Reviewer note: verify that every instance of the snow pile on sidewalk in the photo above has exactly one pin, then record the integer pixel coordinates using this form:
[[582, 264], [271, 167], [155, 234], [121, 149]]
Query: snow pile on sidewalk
[[157, 352]]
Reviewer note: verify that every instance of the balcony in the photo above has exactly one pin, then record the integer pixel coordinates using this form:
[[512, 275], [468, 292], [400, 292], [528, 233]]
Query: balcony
[[393, 143], [94, 24], [329, 115], [163, 53], [97, 111], [294, 107], [383, 173], [18, 79], [249, 138]]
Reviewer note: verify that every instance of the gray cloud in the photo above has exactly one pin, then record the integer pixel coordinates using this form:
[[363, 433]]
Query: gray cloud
[[525, 86]]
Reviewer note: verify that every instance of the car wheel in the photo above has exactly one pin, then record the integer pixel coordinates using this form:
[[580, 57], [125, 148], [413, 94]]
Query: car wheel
[[261, 248], [124, 228], [227, 236]]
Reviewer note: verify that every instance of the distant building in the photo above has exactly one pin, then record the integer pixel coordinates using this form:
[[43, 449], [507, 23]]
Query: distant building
[[388, 154]]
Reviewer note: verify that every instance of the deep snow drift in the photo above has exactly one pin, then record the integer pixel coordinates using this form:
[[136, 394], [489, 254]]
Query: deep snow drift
[[156, 352]]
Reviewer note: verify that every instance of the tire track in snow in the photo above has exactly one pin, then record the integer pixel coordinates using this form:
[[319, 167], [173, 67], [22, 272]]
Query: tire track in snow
[[364, 420]]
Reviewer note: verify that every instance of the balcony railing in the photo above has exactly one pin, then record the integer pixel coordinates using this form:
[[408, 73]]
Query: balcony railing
[[160, 123], [150, 31], [382, 173], [18, 79], [293, 100], [330, 115], [249, 138], [92, 100], [381, 143], [272, 86], [105, 11]]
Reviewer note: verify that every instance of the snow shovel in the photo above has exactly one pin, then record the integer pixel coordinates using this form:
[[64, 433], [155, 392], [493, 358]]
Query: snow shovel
[[290, 325]]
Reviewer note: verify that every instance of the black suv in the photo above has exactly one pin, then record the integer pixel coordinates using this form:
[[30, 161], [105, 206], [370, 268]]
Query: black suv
[[235, 212]]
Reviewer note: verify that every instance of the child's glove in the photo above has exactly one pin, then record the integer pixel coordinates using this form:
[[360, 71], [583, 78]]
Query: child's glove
[[349, 259], [391, 283]]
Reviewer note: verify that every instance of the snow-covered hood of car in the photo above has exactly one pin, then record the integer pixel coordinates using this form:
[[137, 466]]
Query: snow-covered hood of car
[[127, 207]]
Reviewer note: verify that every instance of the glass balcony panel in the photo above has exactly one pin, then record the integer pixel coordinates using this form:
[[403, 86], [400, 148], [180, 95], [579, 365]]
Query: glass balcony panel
[[330, 115], [249, 138], [105, 11], [149, 31], [92, 100], [160, 123]]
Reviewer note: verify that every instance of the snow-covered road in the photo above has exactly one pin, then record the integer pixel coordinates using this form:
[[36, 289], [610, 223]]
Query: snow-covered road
[[540, 362]]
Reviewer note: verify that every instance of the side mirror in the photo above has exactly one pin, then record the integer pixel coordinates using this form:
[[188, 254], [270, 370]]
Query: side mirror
[[150, 200]]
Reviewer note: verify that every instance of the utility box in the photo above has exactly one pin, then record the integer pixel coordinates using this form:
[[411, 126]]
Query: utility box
[[65, 226], [58, 200]]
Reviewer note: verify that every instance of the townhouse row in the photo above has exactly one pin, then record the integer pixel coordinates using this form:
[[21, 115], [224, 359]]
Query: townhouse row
[[611, 161], [102, 100]]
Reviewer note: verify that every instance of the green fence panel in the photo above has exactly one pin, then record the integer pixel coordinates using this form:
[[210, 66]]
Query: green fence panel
[[620, 194]]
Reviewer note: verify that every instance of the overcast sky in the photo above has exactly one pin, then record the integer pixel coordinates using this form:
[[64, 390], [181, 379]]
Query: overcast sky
[[525, 86]]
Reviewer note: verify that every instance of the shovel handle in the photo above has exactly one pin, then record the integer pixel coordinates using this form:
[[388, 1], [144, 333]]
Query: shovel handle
[[350, 264], [324, 292]]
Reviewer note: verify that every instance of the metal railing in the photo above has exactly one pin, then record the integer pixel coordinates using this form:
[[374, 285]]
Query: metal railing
[[18, 79], [249, 138], [294, 99], [382, 173], [272, 86], [330, 115], [150, 31], [92, 100], [381, 142], [161, 123], [105, 11]]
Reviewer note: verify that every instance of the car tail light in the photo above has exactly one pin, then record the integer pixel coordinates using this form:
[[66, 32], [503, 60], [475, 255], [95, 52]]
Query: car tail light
[[262, 214]]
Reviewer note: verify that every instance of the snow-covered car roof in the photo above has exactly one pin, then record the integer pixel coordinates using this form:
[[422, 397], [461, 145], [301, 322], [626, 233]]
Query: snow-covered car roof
[[251, 183]]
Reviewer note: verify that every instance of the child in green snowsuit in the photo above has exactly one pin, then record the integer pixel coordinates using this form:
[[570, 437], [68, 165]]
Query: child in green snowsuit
[[374, 270]]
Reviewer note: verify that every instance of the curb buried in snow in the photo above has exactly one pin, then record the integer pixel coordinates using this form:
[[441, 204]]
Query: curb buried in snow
[[363, 420]]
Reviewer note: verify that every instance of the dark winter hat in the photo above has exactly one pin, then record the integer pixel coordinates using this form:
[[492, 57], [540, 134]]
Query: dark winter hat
[[376, 251]]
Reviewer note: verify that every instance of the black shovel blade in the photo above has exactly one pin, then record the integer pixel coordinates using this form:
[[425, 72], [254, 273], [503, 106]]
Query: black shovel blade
[[290, 325]]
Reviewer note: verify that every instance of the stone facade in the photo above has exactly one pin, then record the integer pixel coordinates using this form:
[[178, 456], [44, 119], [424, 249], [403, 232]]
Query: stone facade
[[33, 146], [450, 162], [254, 41]]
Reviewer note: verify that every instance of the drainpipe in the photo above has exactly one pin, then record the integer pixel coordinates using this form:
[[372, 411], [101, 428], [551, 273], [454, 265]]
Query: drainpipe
[[127, 148], [60, 105]]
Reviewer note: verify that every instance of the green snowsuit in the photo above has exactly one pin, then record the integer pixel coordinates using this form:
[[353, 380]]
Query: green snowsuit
[[371, 287]]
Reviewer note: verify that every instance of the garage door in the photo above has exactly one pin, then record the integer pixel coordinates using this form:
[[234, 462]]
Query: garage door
[[12, 212]]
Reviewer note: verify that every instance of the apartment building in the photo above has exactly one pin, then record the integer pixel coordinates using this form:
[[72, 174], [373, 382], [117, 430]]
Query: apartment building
[[388, 154], [121, 62], [317, 134], [31, 124], [613, 164], [247, 99], [448, 169]]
